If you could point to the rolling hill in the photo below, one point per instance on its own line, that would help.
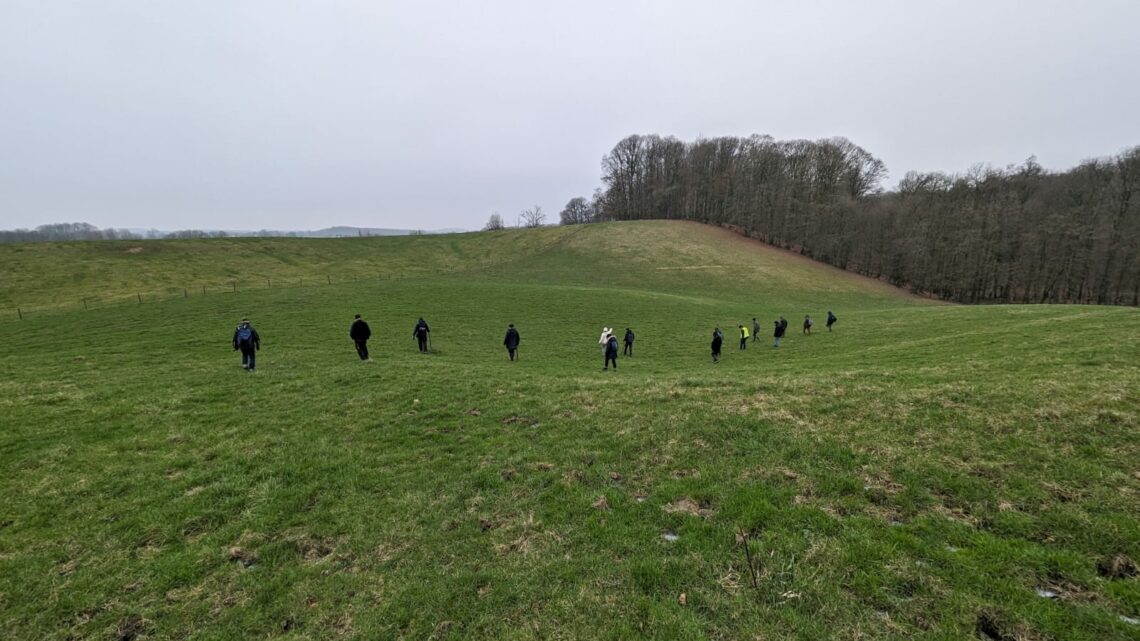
(924, 471)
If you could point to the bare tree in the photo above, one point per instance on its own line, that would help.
(494, 222)
(533, 217)
(576, 212)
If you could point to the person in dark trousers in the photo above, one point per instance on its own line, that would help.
(807, 325)
(781, 327)
(717, 341)
(247, 340)
(628, 349)
(360, 332)
(743, 336)
(830, 320)
(421, 333)
(755, 329)
(511, 341)
(611, 352)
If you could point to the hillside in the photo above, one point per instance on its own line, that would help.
(924, 471)
(639, 255)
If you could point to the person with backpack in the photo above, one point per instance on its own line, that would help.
(807, 325)
(421, 334)
(755, 329)
(779, 331)
(360, 332)
(628, 349)
(717, 341)
(830, 320)
(743, 336)
(247, 340)
(611, 352)
(511, 340)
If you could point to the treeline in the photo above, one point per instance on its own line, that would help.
(1019, 234)
(87, 231)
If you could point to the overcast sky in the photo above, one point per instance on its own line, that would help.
(298, 115)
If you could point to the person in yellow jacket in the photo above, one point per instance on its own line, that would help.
(743, 337)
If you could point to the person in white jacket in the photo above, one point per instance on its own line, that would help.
(605, 338)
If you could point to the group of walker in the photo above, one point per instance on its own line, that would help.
(248, 342)
(780, 327)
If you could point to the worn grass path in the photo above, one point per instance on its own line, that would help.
(922, 472)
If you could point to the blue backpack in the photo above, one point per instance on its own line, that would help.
(244, 335)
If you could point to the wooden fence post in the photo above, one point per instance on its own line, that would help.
(84, 304)
(20, 313)
(140, 297)
(268, 284)
(203, 290)
(185, 294)
(330, 279)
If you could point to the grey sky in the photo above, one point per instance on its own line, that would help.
(297, 115)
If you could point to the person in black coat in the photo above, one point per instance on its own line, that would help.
(611, 353)
(511, 340)
(360, 332)
(781, 327)
(421, 333)
(248, 341)
(717, 342)
(830, 320)
(628, 349)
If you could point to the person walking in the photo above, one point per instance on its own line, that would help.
(743, 336)
(604, 339)
(611, 352)
(807, 325)
(360, 332)
(421, 334)
(717, 341)
(627, 350)
(511, 341)
(248, 341)
(830, 320)
(755, 329)
(779, 332)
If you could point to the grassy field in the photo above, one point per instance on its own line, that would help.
(925, 471)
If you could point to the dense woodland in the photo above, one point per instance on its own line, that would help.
(1019, 234)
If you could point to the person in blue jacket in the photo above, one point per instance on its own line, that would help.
(611, 352)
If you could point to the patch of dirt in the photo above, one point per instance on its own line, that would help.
(601, 504)
(243, 556)
(487, 524)
(134, 250)
(130, 628)
(1117, 567)
(615, 476)
(520, 420)
(688, 506)
(680, 474)
(544, 466)
(507, 474)
(67, 568)
(194, 490)
(315, 550)
(442, 629)
(474, 411)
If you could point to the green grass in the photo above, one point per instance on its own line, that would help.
(919, 472)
